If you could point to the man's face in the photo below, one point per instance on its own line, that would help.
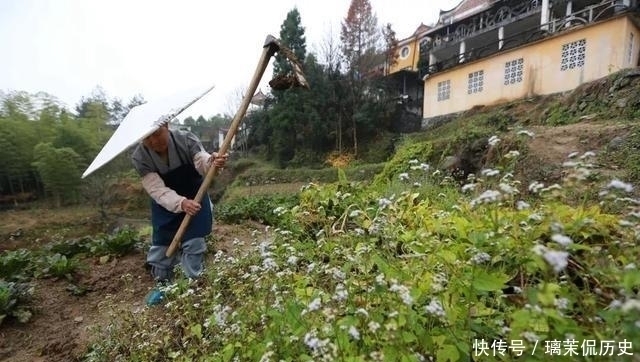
(158, 140)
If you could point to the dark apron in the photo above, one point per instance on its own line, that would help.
(184, 180)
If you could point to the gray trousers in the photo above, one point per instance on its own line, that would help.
(190, 255)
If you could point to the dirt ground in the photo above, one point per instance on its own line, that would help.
(63, 324)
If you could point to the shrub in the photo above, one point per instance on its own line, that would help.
(414, 268)
(16, 265)
(14, 301)
(121, 242)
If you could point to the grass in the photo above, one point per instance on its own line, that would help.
(238, 191)
(413, 269)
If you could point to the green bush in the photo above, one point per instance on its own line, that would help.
(14, 301)
(417, 268)
(57, 266)
(120, 243)
(260, 208)
(16, 265)
(71, 247)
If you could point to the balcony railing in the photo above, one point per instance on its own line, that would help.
(584, 16)
(484, 22)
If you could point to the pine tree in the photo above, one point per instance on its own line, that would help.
(359, 36)
(292, 36)
(288, 116)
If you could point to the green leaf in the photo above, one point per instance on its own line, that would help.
(547, 294)
(448, 353)
(408, 337)
(486, 282)
(196, 330)
(228, 352)
(631, 279)
(447, 256)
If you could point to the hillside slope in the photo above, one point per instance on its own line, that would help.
(599, 117)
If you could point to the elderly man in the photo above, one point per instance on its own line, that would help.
(172, 165)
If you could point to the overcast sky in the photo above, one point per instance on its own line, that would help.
(155, 48)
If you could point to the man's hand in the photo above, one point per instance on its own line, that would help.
(218, 160)
(190, 207)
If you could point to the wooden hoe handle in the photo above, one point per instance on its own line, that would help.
(270, 48)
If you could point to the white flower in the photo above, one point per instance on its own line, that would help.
(512, 154)
(552, 187)
(480, 258)
(413, 162)
(383, 203)
(562, 239)
(404, 293)
(508, 189)
(311, 267)
(362, 311)
(558, 260)
(630, 266)
(527, 133)
(403, 176)
(373, 326)
(617, 184)
(531, 337)
(345, 195)
(353, 332)
(562, 303)
(314, 305)
(341, 294)
(535, 186)
(269, 264)
(435, 308)
(314, 343)
(292, 260)
(279, 210)
(494, 140)
(535, 217)
(486, 197)
(469, 187)
(521, 205)
(587, 154)
(355, 213)
(631, 304)
(489, 172)
(573, 154)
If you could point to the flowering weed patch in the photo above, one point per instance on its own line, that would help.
(411, 269)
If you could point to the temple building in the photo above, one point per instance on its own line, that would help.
(485, 52)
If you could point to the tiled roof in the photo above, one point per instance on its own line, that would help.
(421, 29)
(464, 6)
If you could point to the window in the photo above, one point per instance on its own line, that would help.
(630, 53)
(404, 52)
(476, 82)
(573, 55)
(513, 71)
(444, 90)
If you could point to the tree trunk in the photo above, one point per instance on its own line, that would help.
(355, 138)
(340, 133)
